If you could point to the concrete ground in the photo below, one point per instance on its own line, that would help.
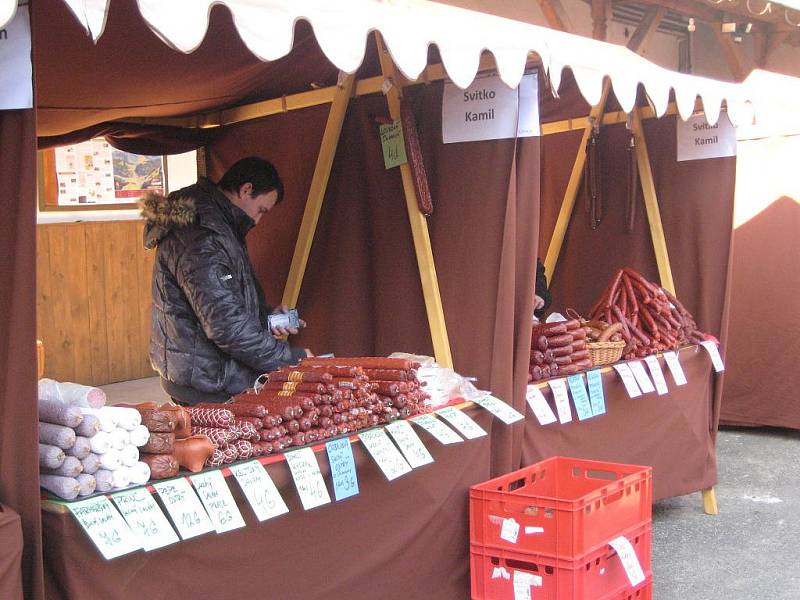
(751, 549)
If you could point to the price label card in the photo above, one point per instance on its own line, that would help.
(596, 395)
(522, 584)
(461, 421)
(499, 409)
(630, 561)
(343, 468)
(437, 429)
(216, 497)
(628, 380)
(410, 445)
(642, 378)
(385, 453)
(259, 489)
(184, 507)
(539, 405)
(559, 387)
(713, 352)
(145, 518)
(509, 531)
(579, 396)
(675, 368)
(657, 374)
(307, 478)
(105, 527)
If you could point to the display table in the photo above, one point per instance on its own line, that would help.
(674, 433)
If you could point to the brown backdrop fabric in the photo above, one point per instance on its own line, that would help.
(361, 293)
(10, 554)
(19, 464)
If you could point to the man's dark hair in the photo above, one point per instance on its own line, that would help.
(257, 171)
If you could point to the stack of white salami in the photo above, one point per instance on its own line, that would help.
(85, 446)
(558, 349)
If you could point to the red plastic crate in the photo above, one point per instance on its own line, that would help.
(599, 575)
(578, 504)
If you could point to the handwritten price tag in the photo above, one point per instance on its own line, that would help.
(596, 395)
(522, 584)
(580, 397)
(713, 352)
(628, 380)
(675, 368)
(105, 527)
(559, 387)
(145, 518)
(458, 419)
(437, 429)
(259, 489)
(343, 468)
(657, 374)
(499, 409)
(630, 561)
(217, 499)
(539, 405)
(184, 507)
(642, 379)
(385, 453)
(509, 531)
(410, 445)
(307, 478)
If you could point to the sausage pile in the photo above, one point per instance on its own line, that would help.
(558, 349)
(651, 319)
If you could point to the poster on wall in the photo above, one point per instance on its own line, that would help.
(697, 140)
(94, 172)
(16, 72)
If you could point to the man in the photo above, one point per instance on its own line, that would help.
(210, 338)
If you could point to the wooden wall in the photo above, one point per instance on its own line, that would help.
(93, 301)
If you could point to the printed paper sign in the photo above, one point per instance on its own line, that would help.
(259, 489)
(393, 143)
(713, 352)
(410, 445)
(16, 72)
(499, 409)
(596, 395)
(642, 378)
(307, 478)
(218, 501)
(630, 561)
(675, 368)
(579, 396)
(105, 527)
(184, 507)
(522, 584)
(461, 421)
(343, 468)
(559, 387)
(698, 140)
(657, 374)
(490, 110)
(145, 518)
(385, 453)
(539, 405)
(628, 380)
(509, 531)
(437, 429)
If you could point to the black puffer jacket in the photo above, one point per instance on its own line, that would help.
(209, 323)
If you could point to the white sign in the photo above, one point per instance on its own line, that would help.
(628, 380)
(642, 378)
(410, 445)
(509, 530)
(490, 110)
(184, 507)
(698, 140)
(559, 387)
(307, 478)
(385, 453)
(539, 405)
(499, 409)
(675, 368)
(437, 429)
(465, 425)
(259, 489)
(630, 562)
(522, 584)
(713, 352)
(217, 499)
(16, 72)
(657, 374)
(104, 525)
(145, 518)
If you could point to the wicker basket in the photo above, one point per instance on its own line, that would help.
(605, 353)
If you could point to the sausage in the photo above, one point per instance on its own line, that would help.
(554, 369)
(609, 331)
(537, 357)
(542, 343)
(549, 356)
(551, 329)
(579, 346)
(546, 372)
(573, 324)
(562, 351)
(560, 340)
(578, 334)
(536, 372)
(563, 361)
(568, 370)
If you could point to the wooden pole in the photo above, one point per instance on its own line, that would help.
(555, 14)
(599, 19)
(419, 226)
(316, 194)
(732, 54)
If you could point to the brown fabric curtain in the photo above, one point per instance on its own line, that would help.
(19, 463)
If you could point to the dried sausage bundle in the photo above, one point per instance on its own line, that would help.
(558, 349)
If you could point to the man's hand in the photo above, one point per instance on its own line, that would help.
(538, 302)
(284, 331)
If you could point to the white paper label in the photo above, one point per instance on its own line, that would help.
(713, 352)
(105, 526)
(529, 530)
(509, 531)
(500, 572)
(499, 409)
(539, 405)
(698, 140)
(642, 378)
(218, 501)
(559, 387)
(437, 429)
(16, 72)
(630, 561)
(674, 364)
(410, 445)
(184, 507)
(628, 380)
(385, 453)
(657, 374)
(259, 489)
(308, 478)
(522, 584)
(145, 518)
(488, 109)
(464, 423)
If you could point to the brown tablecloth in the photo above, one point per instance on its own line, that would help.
(10, 554)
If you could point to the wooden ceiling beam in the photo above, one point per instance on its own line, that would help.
(732, 53)
(555, 14)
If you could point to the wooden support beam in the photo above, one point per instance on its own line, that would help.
(648, 26)
(772, 42)
(555, 14)
(689, 8)
(419, 226)
(316, 194)
(600, 19)
(732, 53)
(710, 502)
